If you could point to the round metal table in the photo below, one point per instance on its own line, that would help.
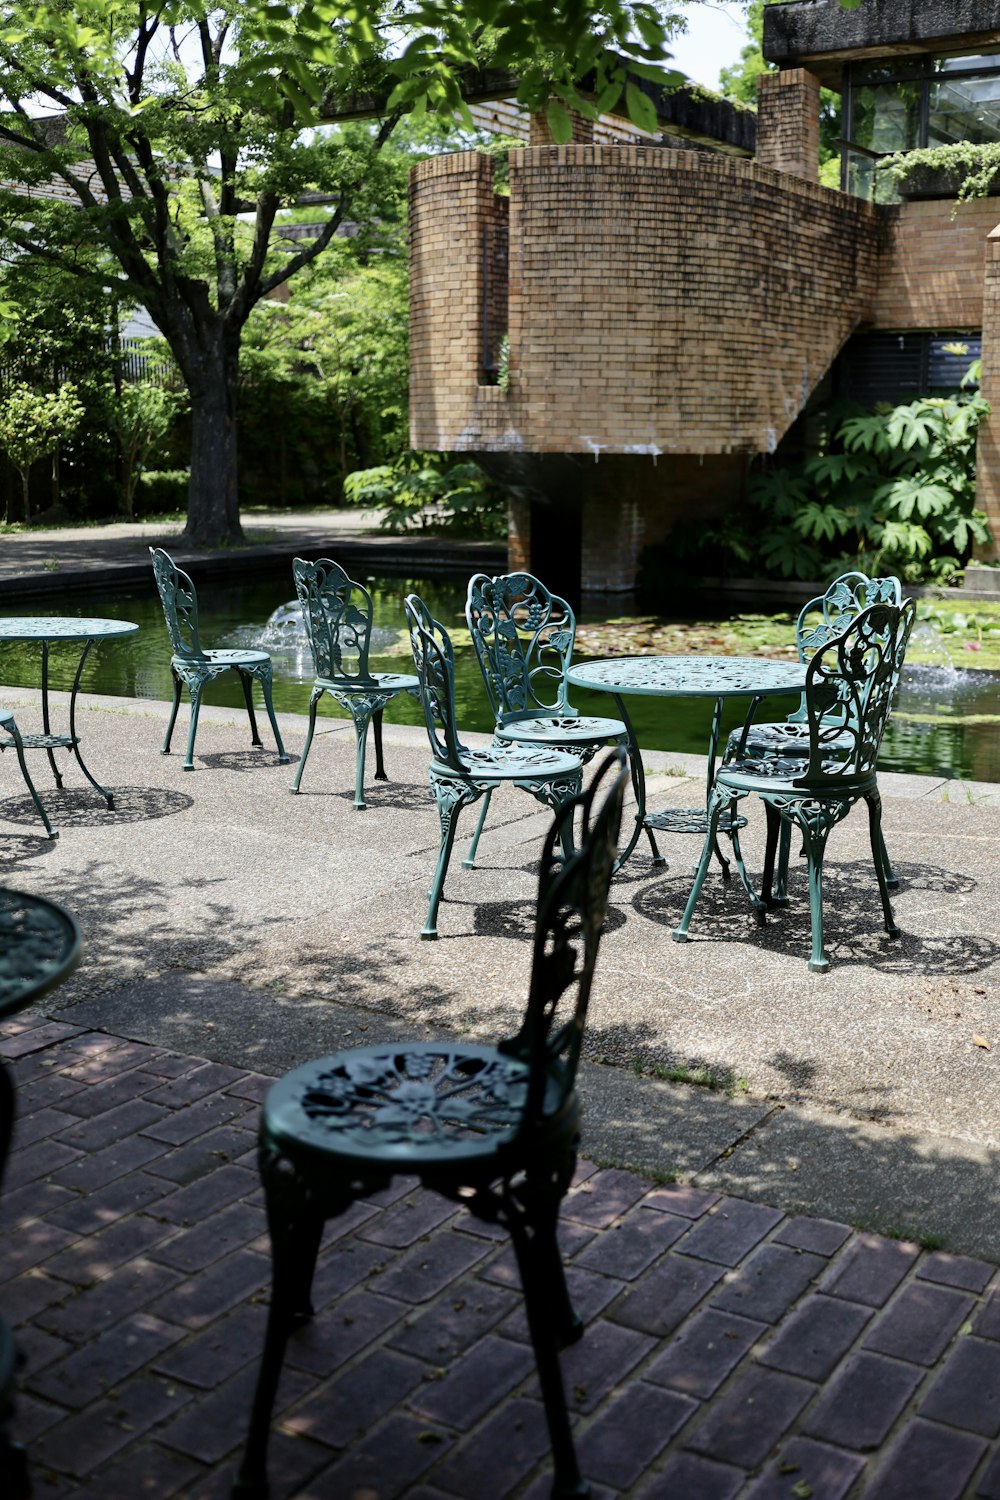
(39, 946)
(718, 677)
(45, 629)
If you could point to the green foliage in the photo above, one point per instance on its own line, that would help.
(178, 134)
(889, 491)
(141, 417)
(323, 378)
(974, 167)
(31, 425)
(161, 490)
(431, 491)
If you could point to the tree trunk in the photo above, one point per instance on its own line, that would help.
(213, 501)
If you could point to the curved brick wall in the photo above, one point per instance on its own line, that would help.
(660, 301)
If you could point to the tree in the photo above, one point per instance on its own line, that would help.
(147, 146)
(141, 416)
(31, 425)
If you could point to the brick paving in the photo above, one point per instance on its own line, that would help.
(731, 1350)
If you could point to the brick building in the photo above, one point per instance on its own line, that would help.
(618, 338)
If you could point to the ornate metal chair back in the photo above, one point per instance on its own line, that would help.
(843, 601)
(523, 636)
(850, 683)
(434, 658)
(570, 916)
(180, 605)
(337, 613)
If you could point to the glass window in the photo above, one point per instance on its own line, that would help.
(886, 116)
(900, 106)
(964, 108)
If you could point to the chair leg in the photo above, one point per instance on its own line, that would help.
(711, 843)
(314, 698)
(815, 845)
(758, 904)
(188, 763)
(881, 860)
(361, 713)
(245, 683)
(380, 774)
(15, 735)
(537, 1251)
(178, 686)
(774, 828)
(295, 1240)
(556, 794)
(264, 677)
(451, 796)
(469, 862)
(784, 854)
(890, 878)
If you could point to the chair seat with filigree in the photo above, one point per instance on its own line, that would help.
(524, 637)
(495, 1128)
(819, 620)
(338, 615)
(194, 667)
(459, 775)
(850, 681)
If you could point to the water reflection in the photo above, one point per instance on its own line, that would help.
(946, 720)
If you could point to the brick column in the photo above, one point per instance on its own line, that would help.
(788, 122)
(988, 445)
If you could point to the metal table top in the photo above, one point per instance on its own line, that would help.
(62, 628)
(690, 676)
(39, 946)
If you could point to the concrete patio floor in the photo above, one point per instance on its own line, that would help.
(232, 930)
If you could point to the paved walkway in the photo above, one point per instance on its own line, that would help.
(731, 1350)
(742, 1339)
(39, 563)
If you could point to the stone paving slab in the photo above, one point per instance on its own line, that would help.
(311, 911)
(731, 1349)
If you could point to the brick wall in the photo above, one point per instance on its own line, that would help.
(788, 122)
(931, 272)
(660, 301)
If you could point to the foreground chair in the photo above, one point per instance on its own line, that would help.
(524, 636)
(822, 618)
(459, 775)
(194, 668)
(849, 687)
(495, 1128)
(10, 736)
(338, 618)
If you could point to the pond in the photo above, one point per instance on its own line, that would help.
(946, 720)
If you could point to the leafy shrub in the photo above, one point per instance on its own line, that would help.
(431, 491)
(887, 491)
(161, 490)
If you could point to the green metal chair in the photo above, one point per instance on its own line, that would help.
(194, 667)
(822, 618)
(10, 737)
(338, 618)
(459, 775)
(849, 685)
(494, 1128)
(524, 636)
